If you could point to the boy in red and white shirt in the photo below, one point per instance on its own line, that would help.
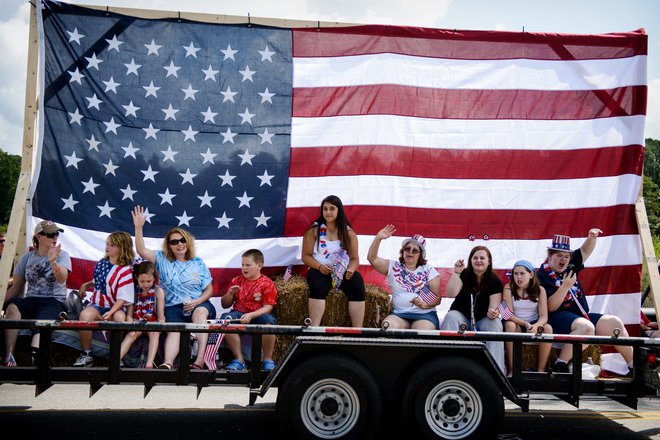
(253, 297)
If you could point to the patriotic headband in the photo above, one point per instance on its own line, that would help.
(524, 263)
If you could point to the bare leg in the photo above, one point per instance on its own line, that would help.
(268, 346)
(233, 341)
(88, 314)
(356, 312)
(154, 338)
(171, 347)
(606, 326)
(510, 327)
(126, 344)
(423, 324)
(11, 335)
(200, 316)
(580, 326)
(316, 310)
(544, 350)
(394, 322)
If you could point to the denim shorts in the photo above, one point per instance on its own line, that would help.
(100, 309)
(32, 307)
(174, 313)
(561, 321)
(38, 308)
(265, 319)
(412, 317)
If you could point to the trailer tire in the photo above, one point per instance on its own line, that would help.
(453, 398)
(330, 396)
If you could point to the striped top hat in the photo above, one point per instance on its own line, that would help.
(561, 243)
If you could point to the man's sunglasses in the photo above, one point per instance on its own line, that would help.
(176, 241)
(51, 235)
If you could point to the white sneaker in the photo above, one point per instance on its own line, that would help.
(84, 360)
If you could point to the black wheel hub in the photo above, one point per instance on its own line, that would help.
(329, 407)
(451, 407)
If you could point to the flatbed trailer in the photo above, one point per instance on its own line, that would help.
(341, 383)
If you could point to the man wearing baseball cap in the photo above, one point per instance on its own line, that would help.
(44, 270)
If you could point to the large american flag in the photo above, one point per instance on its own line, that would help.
(237, 132)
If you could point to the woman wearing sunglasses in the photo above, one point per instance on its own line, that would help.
(415, 284)
(45, 270)
(186, 281)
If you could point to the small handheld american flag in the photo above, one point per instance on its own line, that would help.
(505, 312)
(212, 349)
(427, 295)
(288, 273)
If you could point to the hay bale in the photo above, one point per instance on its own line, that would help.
(291, 309)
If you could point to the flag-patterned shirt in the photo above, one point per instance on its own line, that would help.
(111, 283)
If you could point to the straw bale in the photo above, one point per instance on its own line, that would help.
(291, 309)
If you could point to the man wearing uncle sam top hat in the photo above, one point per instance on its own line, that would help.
(567, 303)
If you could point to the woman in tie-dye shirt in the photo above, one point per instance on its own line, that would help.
(186, 281)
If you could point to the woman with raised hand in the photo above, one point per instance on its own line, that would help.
(477, 293)
(415, 284)
(186, 281)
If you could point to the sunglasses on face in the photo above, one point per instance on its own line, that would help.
(411, 250)
(175, 241)
(2, 241)
(51, 235)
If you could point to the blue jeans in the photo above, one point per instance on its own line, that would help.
(454, 319)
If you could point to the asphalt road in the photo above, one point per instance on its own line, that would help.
(169, 412)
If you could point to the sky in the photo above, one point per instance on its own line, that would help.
(558, 16)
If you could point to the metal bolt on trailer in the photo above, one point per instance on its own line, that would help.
(339, 383)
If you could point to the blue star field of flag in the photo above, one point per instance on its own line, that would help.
(190, 120)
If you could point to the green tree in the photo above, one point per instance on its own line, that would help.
(10, 168)
(652, 160)
(651, 195)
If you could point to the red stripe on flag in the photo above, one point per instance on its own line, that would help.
(460, 223)
(505, 312)
(460, 104)
(462, 44)
(465, 164)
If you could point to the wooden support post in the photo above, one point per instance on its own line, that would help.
(15, 244)
(648, 251)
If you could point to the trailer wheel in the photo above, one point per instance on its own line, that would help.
(330, 397)
(453, 398)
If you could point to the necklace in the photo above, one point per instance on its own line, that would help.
(323, 232)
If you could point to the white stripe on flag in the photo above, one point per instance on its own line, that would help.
(469, 74)
(469, 134)
(466, 193)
